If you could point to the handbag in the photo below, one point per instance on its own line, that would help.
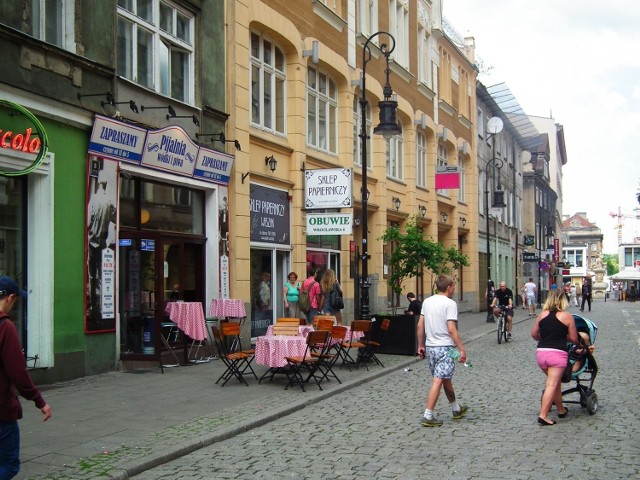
(336, 301)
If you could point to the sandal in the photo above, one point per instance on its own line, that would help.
(562, 415)
(544, 423)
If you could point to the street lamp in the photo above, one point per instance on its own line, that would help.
(388, 127)
(494, 126)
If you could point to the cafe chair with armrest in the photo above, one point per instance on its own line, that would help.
(317, 319)
(231, 332)
(368, 353)
(363, 326)
(317, 343)
(233, 361)
(333, 353)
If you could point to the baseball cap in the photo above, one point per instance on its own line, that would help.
(9, 286)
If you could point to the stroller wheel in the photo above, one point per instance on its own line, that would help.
(592, 402)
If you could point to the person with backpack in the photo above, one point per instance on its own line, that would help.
(291, 296)
(332, 302)
(309, 295)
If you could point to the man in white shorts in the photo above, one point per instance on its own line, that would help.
(530, 289)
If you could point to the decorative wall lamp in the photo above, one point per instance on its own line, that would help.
(221, 138)
(194, 118)
(272, 162)
(463, 222)
(444, 216)
(396, 203)
(112, 101)
(244, 176)
(423, 211)
(356, 222)
(169, 108)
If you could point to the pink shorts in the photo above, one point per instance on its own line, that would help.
(550, 358)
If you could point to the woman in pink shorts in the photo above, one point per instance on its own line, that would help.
(553, 329)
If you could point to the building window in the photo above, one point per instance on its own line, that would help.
(481, 192)
(357, 126)
(443, 163)
(462, 191)
(575, 258)
(424, 59)
(52, 22)
(399, 24)
(155, 47)
(368, 16)
(421, 160)
(322, 112)
(268, 85)
(631, 255)
(395, 163)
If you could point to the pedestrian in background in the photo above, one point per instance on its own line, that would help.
(573, 296)
(415, 306)
(312, 285)
(437, 333)
(523, 296)
(328, 284)
(13, 376)
(552, 329)
(586, 293)
(531, 290)
(291, 295)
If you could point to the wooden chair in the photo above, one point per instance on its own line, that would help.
(356, 326)
(317, 344)
(231, 331)
(317, 319)
(324, 323)
(288, 321)
(333, 353)
(232, 360)
(369, 352)
(285, 329)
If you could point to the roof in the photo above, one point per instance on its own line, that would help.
(626, 275)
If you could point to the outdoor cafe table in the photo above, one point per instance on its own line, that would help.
(189, 318)
(227, 308)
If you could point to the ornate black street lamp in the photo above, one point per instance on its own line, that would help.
(388, 127)
(494, 126)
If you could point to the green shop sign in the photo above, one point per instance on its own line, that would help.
(26, 141)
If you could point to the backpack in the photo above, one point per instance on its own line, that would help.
(335, 298)
(304, 302)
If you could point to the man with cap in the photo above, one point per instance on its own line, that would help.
(13, 377)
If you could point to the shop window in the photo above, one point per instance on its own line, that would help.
(157, 206)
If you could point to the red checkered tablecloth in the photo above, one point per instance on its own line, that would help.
(272, 350)
(189, 318)
(227, 307)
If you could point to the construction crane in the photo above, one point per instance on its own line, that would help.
(620, 216)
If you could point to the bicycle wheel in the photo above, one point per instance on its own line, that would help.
(500, 328)
(505, 331)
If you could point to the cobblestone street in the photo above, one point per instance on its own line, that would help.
(373, 430)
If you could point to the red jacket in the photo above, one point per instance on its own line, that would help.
(13, 374)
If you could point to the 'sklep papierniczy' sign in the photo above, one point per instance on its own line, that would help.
(328, 188)
(24, 140)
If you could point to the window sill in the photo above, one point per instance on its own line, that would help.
(328, 15)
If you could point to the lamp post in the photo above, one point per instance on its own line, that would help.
(388, 127)
(494, 126)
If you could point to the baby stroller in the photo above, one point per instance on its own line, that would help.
(586, 374)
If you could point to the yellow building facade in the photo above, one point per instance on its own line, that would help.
(294, 73)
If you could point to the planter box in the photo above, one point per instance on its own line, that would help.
(401, 338)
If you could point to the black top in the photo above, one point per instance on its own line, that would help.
(504, 296)
(553, 333)
(415, 307)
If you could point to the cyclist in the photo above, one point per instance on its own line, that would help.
(503, 300)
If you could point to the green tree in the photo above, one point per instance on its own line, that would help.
(611, 263)
(413, 254)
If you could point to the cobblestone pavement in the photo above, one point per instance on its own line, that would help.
(373, 430)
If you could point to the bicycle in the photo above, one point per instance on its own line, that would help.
(501, 326)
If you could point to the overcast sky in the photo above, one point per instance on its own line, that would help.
(579, 62)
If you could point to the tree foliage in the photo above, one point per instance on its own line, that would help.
(412, 255)
(611, 262)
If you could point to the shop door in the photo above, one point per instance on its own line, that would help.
(153, 269)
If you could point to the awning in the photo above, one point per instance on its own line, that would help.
(626, 275)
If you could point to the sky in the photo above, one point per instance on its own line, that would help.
(578, 62)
